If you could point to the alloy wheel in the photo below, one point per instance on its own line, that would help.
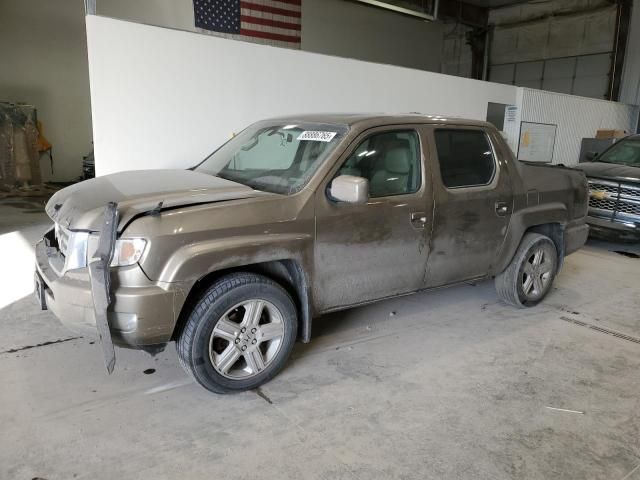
(537, 273)
(246, 339)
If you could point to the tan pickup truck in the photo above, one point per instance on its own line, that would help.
(295, 217)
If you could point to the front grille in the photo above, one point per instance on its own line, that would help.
(618, 200)
(603, 187)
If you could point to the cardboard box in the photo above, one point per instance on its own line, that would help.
(611, 134)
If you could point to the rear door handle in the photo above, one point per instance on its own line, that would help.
(502, 208)
(419, 219)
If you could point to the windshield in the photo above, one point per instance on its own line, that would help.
(276, 158)
(624, 152)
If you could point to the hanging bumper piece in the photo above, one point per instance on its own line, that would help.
(99, 274)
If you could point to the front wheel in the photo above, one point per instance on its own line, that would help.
(529, 276)
(239, 334)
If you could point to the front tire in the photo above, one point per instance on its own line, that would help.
(529, 276)
(239, 334)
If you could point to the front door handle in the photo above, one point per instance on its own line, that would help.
(419, 219)
(502, 208)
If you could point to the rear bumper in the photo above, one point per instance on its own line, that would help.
(140, 315)
(607, 227)
(575, 236)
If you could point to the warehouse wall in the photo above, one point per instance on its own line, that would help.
(576, 118)
(630, 89)
(44, 59)
(334, 27)
(558, 45)
(456, 53)
(353, 30)
(141, 124)
(44, 63)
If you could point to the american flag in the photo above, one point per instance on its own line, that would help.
(274, 22)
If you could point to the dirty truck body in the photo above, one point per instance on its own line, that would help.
(379, 207)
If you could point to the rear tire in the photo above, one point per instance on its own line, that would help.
(239, 334)
(529, 276)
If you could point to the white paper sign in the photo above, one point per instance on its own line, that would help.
(537, 141)
(317, 136)
(511, 126)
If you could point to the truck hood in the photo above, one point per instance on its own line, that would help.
(81, 206)
(611, 171)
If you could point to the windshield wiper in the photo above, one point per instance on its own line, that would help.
(243, 181)
(231, 178)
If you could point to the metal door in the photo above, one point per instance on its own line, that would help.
(373, 250)
(470, 221)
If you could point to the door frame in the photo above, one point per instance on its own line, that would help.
(425, 148)
(500, 169)
(425, 191)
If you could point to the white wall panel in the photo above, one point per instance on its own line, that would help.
(164, 98)
(576, 117)
(333, 27)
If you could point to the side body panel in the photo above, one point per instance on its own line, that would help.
(544, 195)
(187, 244)
(374, 250)
(468, 231)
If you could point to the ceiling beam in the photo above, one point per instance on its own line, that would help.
(397, 9)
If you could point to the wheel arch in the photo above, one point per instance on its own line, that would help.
(555, 231)
(288, 273)
(547, 219)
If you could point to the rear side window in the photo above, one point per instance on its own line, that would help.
(465, 156)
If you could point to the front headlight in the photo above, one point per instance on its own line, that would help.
(75, 248)
(127, 251)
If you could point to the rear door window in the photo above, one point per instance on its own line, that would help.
(465, 157)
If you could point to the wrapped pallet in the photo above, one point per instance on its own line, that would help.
(19, 157)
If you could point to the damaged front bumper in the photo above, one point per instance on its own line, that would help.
(140, 313)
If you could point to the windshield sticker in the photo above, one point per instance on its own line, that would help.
(317, 136)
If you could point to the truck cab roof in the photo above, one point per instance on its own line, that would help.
(377, 119)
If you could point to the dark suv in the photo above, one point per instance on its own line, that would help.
(614, 190)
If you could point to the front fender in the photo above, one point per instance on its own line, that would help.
(193, 261)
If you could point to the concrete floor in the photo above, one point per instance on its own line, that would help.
(449, 384)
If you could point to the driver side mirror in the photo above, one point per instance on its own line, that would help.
(591, 156)
(350, 189)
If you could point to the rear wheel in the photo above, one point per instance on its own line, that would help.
(239, 334)
(529, 276)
